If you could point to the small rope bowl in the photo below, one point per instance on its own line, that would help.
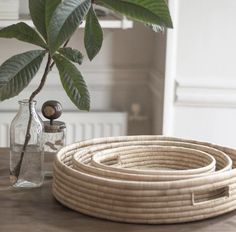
(159, 163)
(82, 160)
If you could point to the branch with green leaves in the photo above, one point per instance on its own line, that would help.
(55, 22)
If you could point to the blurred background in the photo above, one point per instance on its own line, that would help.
(181, 82)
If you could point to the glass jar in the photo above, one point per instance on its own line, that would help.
(26, 167)
(54, 140)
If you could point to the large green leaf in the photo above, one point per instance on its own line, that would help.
(41, 12)
(23, 32)
(158, 7)
(73, 82)
(17, 72)
(93, 36)
(50, 8)
(146, 11)
(65, 20)
(72, 54)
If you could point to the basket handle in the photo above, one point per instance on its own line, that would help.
(211, 195)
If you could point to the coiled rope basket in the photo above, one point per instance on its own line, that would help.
(146, 179)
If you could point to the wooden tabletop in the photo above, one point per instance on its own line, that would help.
(36, 210)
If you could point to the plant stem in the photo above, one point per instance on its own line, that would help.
(16, 172)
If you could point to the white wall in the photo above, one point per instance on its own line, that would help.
(201, 72)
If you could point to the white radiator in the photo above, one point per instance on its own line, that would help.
(80, 126)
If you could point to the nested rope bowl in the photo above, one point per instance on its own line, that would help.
(150, 163)
(146, 179)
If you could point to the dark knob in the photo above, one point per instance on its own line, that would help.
(52, 110)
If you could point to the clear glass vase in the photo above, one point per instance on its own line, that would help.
(26, 166)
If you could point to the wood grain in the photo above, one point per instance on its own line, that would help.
(36, 210)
